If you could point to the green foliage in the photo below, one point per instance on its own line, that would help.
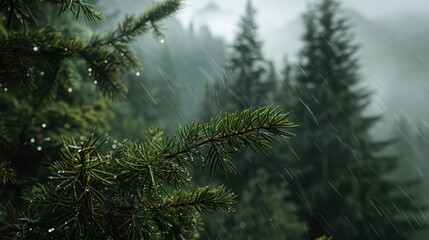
(26, 54)
(49, 73)
(22, 11)
(140, 189)
(7, 174)
(32, 128)
(324, 238)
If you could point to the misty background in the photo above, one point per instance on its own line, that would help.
(393, 36)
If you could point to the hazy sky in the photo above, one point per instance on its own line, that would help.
(273, 14)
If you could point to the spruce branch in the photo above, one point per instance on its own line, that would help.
(39, 61)
(21, 10)
(7, 175)
(203, 199)
(141, 189)
(231, 132)
(133, 26)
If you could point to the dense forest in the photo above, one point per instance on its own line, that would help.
(118, 125)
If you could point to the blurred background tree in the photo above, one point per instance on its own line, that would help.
(248, 80)
(341, 177)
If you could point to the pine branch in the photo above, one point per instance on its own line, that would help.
(232, 132)
(78, 6)
(21, 10)
(37, 60)
(203, 199)
(139, 189)
(133, 26)
(7, 175)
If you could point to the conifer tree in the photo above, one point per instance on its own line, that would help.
(250, 80)
(137, 190)
(340, 176)
(244, 74)
(247, 81)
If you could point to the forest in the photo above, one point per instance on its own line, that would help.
(118, 120)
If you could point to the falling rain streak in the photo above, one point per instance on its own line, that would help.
(309, 110)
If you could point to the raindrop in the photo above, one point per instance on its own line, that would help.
(122, 54)
(48, 139)
(137, 73)
(114, 146)
(162, 40)
(105, 61)
(66, 49)
(35, 49)
(32, 140)
(5, 89)
(51, 230)
(43, 125)
(242, 224)
(42, 73)
(89, 69)
(95, 82)
(81, 137)
(39, 148)
(70, 90)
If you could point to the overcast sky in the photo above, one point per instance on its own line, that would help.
(273, 14)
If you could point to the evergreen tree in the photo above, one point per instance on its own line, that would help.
(136, 190)
(340, 176)
(245, 72)
(284, 93)
(249, 80)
